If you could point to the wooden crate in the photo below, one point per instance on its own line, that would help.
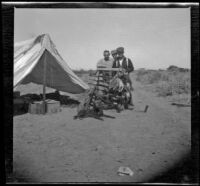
(36, 107)
(52, 106)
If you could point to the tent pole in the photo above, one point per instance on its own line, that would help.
(44, 84)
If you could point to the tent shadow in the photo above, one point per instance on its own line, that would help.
(23, 107)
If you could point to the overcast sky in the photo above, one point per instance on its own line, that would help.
(152, 38)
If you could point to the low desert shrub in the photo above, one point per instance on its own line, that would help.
(166, 82)
(164, 88)
(148, 76)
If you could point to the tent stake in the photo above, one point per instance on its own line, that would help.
(44, 85)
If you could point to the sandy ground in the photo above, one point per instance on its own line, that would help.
(57, 148)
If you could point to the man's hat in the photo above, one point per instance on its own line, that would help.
(113, 52)
(120, 50)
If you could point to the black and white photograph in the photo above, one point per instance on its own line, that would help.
(102, 95)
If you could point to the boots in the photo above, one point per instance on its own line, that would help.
(131, 101)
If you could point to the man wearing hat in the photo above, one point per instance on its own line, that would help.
(125, 63)
(114, 55)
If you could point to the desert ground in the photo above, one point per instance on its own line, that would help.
(57, 148)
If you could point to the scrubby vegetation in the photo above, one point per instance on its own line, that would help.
(82, 72)
(168, 82)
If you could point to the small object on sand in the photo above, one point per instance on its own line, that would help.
(146, 108)
(181, 104)
(125, 171)
(141, 107)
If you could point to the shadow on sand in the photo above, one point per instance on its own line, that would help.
(18, 177)
(182, 172)
(21, 104)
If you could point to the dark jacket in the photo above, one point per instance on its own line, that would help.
(129, 67)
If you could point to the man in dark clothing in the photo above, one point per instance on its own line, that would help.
(124, 63)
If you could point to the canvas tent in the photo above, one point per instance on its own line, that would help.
(37, 60)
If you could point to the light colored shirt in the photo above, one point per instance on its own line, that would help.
(105, 64)
(120, 62)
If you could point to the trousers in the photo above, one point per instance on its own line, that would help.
(129, 80)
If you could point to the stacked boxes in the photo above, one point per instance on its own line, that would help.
(51, 106)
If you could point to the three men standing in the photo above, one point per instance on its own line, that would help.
(119, 61)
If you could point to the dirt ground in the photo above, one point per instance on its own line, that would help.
(57, 148)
